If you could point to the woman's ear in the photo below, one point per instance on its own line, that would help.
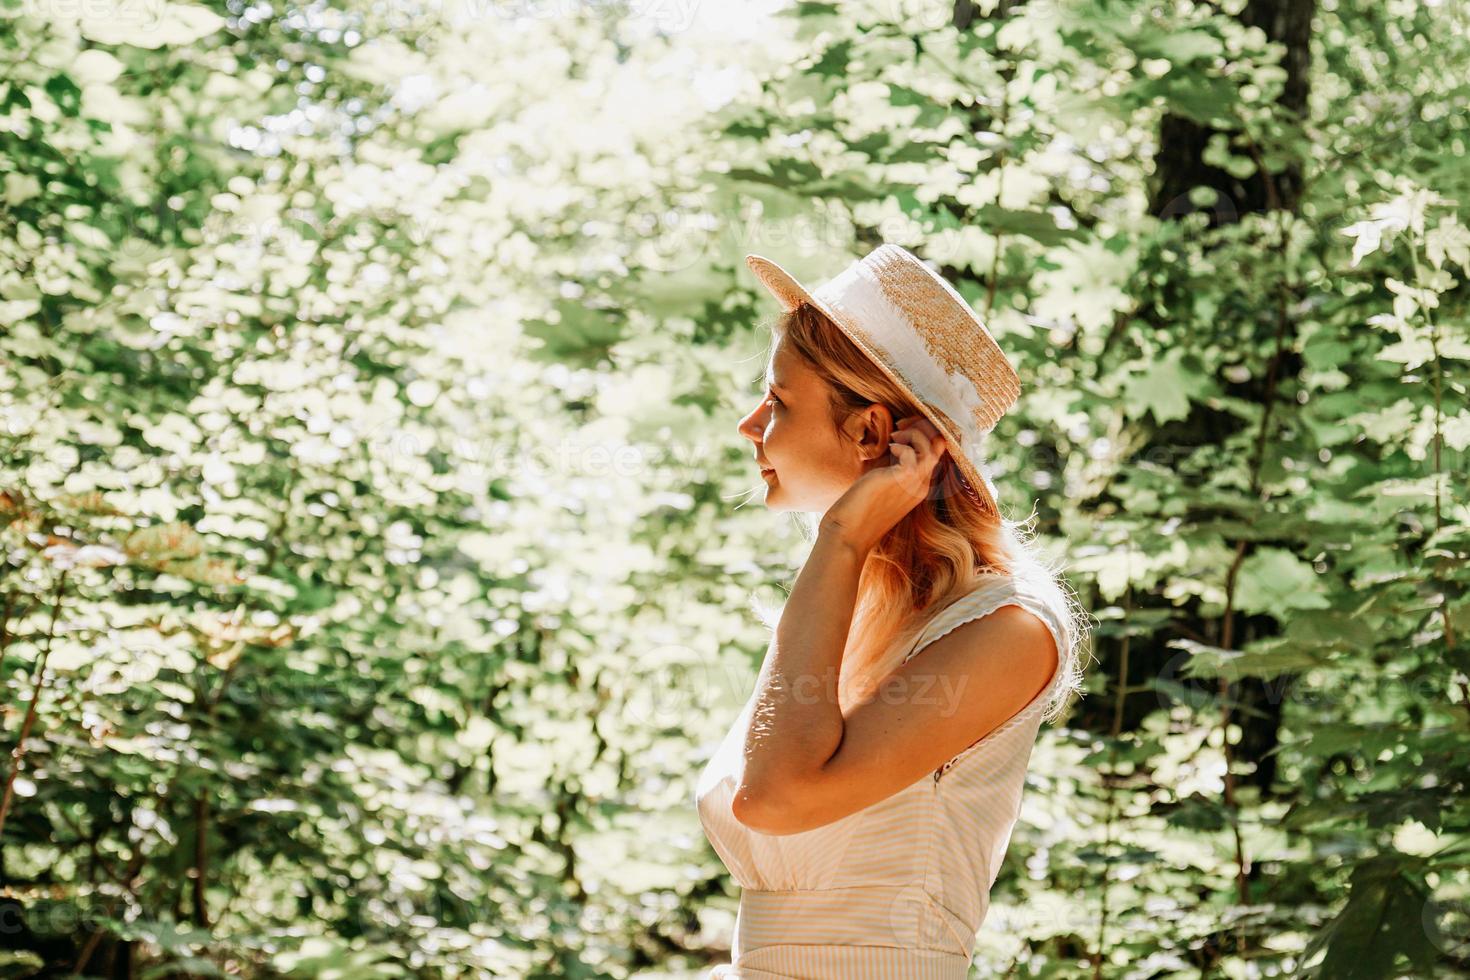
(871, 429)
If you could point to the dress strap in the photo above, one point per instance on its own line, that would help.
(980, 601)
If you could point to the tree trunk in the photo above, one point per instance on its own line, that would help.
(1180, 167)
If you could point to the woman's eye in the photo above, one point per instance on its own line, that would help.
(771, 396)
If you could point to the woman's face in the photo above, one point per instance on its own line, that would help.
(808, 464)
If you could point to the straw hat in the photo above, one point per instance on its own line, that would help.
(924, 336)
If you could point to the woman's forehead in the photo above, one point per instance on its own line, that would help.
(786, 367)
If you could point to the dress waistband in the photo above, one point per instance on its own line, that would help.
(901, 916)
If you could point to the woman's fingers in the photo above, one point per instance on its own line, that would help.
(920, 437)
(921, 440)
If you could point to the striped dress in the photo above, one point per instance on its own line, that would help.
(896, 890)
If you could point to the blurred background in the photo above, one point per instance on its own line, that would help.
(381, 562)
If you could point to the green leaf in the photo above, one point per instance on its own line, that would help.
(931, 113)
(834, 60)
(1381, 924)
(578, 334)
(1207, 100)
(807, 8)
(1182, 47)
(1038, 225)
(1275, 581)
(1265, 659)
(1160, 388)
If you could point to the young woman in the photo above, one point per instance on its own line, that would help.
(865, 796)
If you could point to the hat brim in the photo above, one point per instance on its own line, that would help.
(790, 293)
(781, 284)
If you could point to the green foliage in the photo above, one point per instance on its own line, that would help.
(374, 579)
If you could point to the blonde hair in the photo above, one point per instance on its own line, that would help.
(938, 552)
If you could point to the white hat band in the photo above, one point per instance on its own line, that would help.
(856, 293)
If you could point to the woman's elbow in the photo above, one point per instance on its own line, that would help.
(765, 812)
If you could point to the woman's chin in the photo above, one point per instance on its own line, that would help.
(776, 498)
(773, 490)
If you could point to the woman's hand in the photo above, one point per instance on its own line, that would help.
(881, 497)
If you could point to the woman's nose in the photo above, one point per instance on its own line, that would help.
(750, 426)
